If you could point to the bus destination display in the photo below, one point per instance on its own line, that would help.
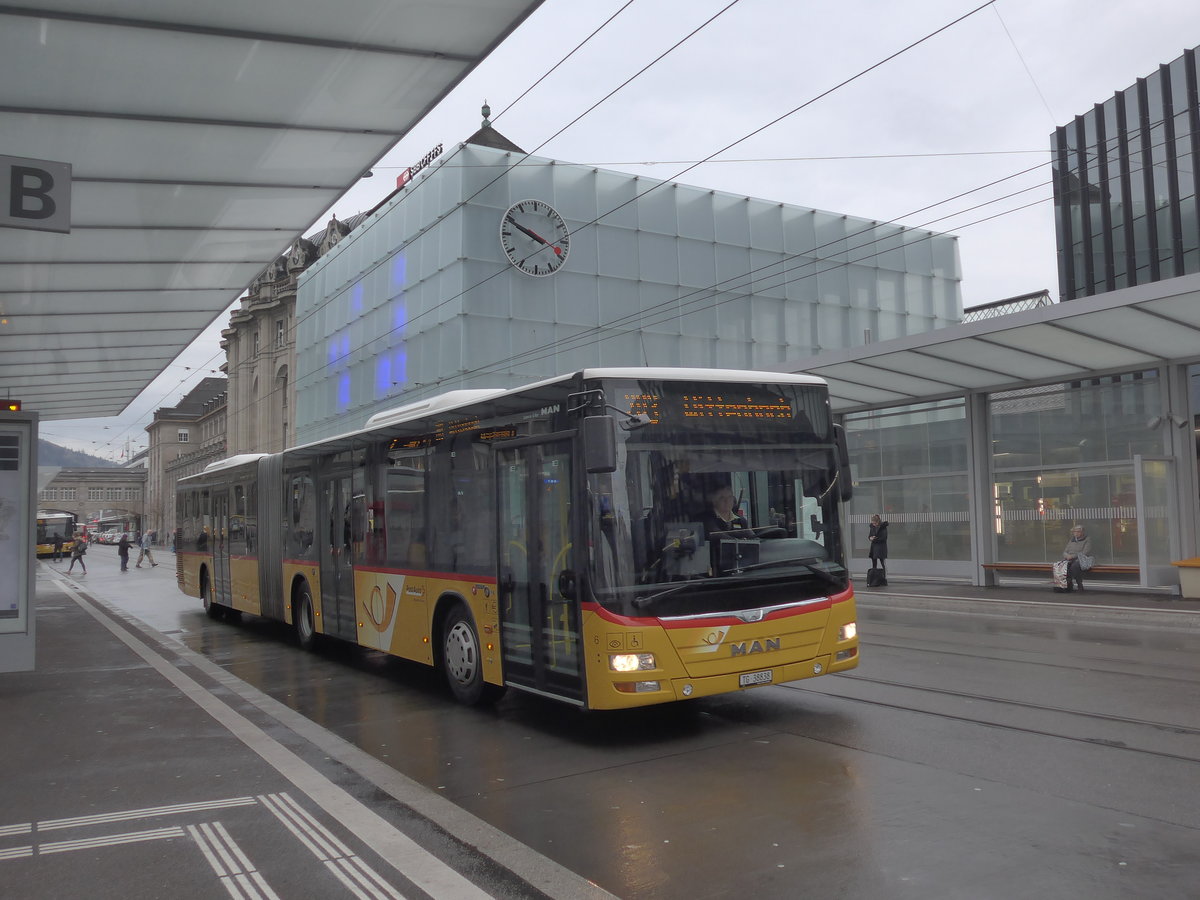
(736, 404)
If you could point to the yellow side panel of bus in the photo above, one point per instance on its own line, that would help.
(243, 583)
(393, 614)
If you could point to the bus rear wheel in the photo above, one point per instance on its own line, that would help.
(305, 617)
(462, 660)
(211, 607)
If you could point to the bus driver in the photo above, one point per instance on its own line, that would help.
(721, 516)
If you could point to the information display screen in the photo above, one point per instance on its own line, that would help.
(719, 406)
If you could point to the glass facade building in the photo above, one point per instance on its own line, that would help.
(1125, 176)
(420, 298)
(1095, 452)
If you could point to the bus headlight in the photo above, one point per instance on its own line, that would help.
(848, 632)
(631, 662)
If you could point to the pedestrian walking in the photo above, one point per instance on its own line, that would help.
(123, 551)
(146, 543)
(78, 548)
(58, 545)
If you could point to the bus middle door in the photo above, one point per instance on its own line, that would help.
(337, 557)
(539, 622)
(222, 583)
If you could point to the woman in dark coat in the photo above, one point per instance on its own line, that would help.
(878, 539)
(123, 551)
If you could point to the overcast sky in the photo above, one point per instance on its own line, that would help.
(970, 106)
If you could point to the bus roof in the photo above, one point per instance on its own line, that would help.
(457, 398)
(448, 400)
(231, 461)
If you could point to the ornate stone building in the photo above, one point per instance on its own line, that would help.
(260, 348)
(183, 439)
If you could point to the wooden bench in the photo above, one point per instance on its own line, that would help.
(1044, 568)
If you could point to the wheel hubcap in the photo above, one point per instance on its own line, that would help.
(461, 653)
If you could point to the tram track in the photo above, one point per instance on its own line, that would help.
(1137, 668)
(826, 689)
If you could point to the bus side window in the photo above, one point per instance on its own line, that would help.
(204, 521)
(406, 517)
(299, 518)
(237, 521)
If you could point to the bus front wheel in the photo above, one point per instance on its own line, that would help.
(305, 618)
(462, 660)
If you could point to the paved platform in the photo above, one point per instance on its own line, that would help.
(134, 767)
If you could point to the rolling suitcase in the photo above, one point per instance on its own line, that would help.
(876, 577)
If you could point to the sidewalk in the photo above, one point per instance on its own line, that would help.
(1123, 604)
(135, 768)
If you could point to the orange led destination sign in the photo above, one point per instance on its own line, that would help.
(719, 406)
(709, 406)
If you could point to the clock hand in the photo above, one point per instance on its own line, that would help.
(533, 234)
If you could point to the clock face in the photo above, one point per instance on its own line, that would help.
(534, 237)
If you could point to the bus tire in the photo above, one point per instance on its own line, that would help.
(211, 607)
(305, 617)
(462, 660)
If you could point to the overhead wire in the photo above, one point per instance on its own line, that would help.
(894, 55)
(675, 301)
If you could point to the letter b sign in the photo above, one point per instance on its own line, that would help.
(35, 194)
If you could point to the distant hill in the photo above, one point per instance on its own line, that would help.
(53, 455)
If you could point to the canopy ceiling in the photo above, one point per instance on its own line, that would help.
(204, 138)
(1136, 328)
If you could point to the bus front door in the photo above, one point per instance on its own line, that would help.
(337, 558)
(539, 611)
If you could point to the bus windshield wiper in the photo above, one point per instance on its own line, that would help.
(812, 567)
(647, 599)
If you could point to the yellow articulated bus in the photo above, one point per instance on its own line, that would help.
(610, 538)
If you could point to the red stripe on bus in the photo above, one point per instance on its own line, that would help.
(731, 619)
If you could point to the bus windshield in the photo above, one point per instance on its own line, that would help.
(694, 523)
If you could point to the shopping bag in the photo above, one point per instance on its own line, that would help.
(1059, 570)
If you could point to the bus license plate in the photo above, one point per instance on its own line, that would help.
(752, 678)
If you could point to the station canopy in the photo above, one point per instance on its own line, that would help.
(1132, 329)
(203, 139)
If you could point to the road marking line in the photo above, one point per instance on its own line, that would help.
(219, 848)
(414, 862)
(78, 821)
(23, 828)
(111, 840)
(202, 843)
(345, 865)
(287, 810)
(16, 852)
(232, 866)
(367, 874)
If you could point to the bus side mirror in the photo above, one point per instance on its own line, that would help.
(845, 482)
(599, 444)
